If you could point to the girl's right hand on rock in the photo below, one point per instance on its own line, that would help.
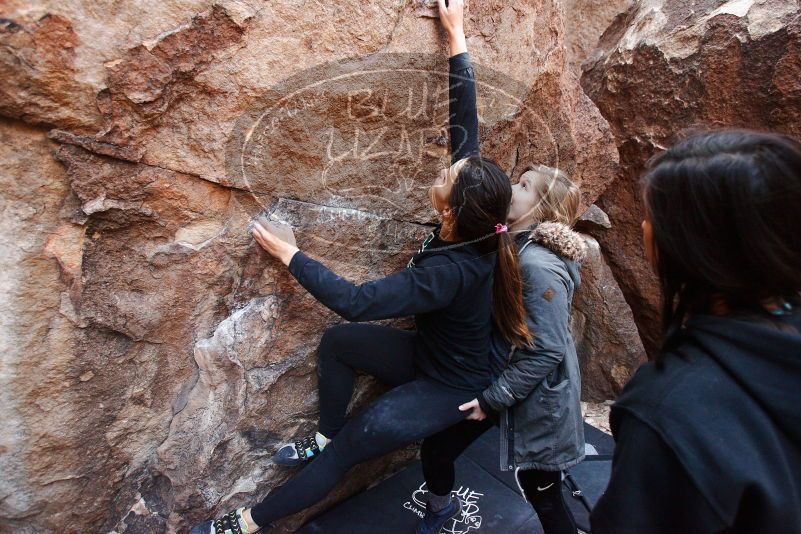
(452, 16)
(276, 240)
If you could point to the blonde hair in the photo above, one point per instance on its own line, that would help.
(559, 198)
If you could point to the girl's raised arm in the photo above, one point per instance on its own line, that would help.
(463, 115)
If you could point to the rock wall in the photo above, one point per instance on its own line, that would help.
(585, 22)
(666, 66)
(152, 356)
(607, 341)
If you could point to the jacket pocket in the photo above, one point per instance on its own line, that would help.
(551, 391)
(555, 400)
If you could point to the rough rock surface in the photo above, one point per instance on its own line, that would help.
(34, 334)
(607, 341)
(585, 22)
(666, 66)
(152, 356)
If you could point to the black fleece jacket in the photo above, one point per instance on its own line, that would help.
(711, 442)
(449, 292)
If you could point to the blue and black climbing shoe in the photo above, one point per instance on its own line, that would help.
(301, 451)
(230, 523)
(433, 522)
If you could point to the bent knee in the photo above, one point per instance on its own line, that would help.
(331, 341)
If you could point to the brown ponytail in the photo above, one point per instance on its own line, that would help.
(481, 195)
(507, 295)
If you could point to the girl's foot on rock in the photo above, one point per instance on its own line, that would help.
(301, 451)
(233, 522)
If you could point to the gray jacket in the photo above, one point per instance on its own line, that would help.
(538, 394)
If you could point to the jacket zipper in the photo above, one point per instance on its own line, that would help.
(511, 438)
(510, 426)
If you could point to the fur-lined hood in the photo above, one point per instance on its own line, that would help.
(560, 239)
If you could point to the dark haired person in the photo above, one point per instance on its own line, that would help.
(709, 436)
(466, 267)
(535, 396)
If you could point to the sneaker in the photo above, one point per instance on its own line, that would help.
(301, 451)
(230, 523)
(433, 522)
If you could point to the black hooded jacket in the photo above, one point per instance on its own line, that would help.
(711, 442)
(448, 290)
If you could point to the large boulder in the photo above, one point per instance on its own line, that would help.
(666, 66)
(607, 342)
(585, 22)
(153, 356)
(35, 337)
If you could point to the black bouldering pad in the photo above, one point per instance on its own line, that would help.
(491, 498)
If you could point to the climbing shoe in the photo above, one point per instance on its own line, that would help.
(433, 522)
(301, 451)
(230, 523)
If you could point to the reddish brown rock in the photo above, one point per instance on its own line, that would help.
(145, 350)
(35, 339)
(41, 84)
(156, 355)
(585, 22)
(607, 341)
(176, 95)
(666, 66)
(593, 219)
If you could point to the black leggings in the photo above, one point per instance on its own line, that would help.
(417, 407)
(543, 489)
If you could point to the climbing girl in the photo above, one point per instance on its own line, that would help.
(464, 268)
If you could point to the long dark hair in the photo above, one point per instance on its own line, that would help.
(725, 211)
(481, 197)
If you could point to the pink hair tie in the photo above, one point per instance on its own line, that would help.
(500, 228)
